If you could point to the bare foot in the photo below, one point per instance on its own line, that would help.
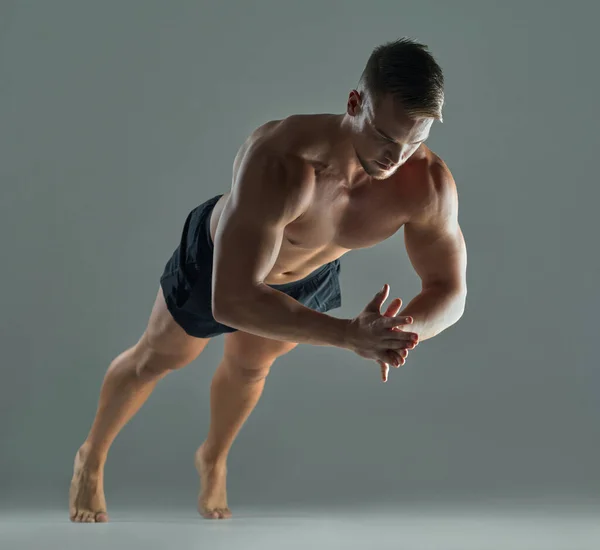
(86, 494)
(212, 502)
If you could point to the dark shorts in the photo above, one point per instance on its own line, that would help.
(187, 279)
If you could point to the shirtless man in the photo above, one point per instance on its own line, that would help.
(260, 264)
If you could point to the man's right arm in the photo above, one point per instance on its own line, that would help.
(269, 193)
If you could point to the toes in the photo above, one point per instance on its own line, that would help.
(209, 514)
(101, 517)
(225, 513)
(85, 517)
(88, 517)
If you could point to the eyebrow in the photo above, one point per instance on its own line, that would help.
(392, 139)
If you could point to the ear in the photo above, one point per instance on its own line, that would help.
(354, 102)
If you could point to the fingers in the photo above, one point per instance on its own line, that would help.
(396, 359)
(394, 307)
(394, 331)
(385, 370)
(393, 358)
(391, 322)
(399, 338)
(399, 344)
(377, 301)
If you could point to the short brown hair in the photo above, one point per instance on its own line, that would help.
(406, 69)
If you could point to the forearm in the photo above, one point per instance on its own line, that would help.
(273, 314)
(434, 310)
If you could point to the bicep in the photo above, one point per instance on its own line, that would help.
(267, 195)
(435, 245)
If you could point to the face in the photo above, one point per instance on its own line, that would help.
(384, 138)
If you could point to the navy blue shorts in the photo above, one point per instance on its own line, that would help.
(187, 279)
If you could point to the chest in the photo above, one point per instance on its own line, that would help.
(347, 219)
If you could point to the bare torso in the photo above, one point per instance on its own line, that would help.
(340, 217)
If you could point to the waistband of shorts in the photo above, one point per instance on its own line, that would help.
(312, 275)
(209, 205)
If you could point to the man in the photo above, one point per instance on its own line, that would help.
(260, 264)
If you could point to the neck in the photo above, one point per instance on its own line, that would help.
(340, 154)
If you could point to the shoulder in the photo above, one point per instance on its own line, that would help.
(268, 172)
(281, 162)
(439, 199)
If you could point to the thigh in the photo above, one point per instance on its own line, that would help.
(252, 351)
(164, 338)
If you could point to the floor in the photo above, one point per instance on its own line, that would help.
(424, 528)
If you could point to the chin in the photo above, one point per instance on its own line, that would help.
(380, 176)
(381, 173)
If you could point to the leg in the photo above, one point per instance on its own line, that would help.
(128, 383)
(236, 387)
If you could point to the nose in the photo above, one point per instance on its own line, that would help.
(389, 162)
(393, 158)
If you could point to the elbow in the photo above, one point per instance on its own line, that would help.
(227, 306)
(220, 308)
(457, 296)
(459, 292)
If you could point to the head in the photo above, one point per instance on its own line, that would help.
(400, 94)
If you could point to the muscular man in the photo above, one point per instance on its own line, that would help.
(260, 263)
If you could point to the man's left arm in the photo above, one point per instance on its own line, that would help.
(437, 251)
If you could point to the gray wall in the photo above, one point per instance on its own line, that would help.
(118, 117)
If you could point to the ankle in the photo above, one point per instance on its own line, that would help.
(210, 455)
(91, 459)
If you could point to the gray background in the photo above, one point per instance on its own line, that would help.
(117, 117)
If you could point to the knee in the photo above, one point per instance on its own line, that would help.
(248, 372)
(151, 364)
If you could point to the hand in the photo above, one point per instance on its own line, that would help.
(391, 311)
(375, 336)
